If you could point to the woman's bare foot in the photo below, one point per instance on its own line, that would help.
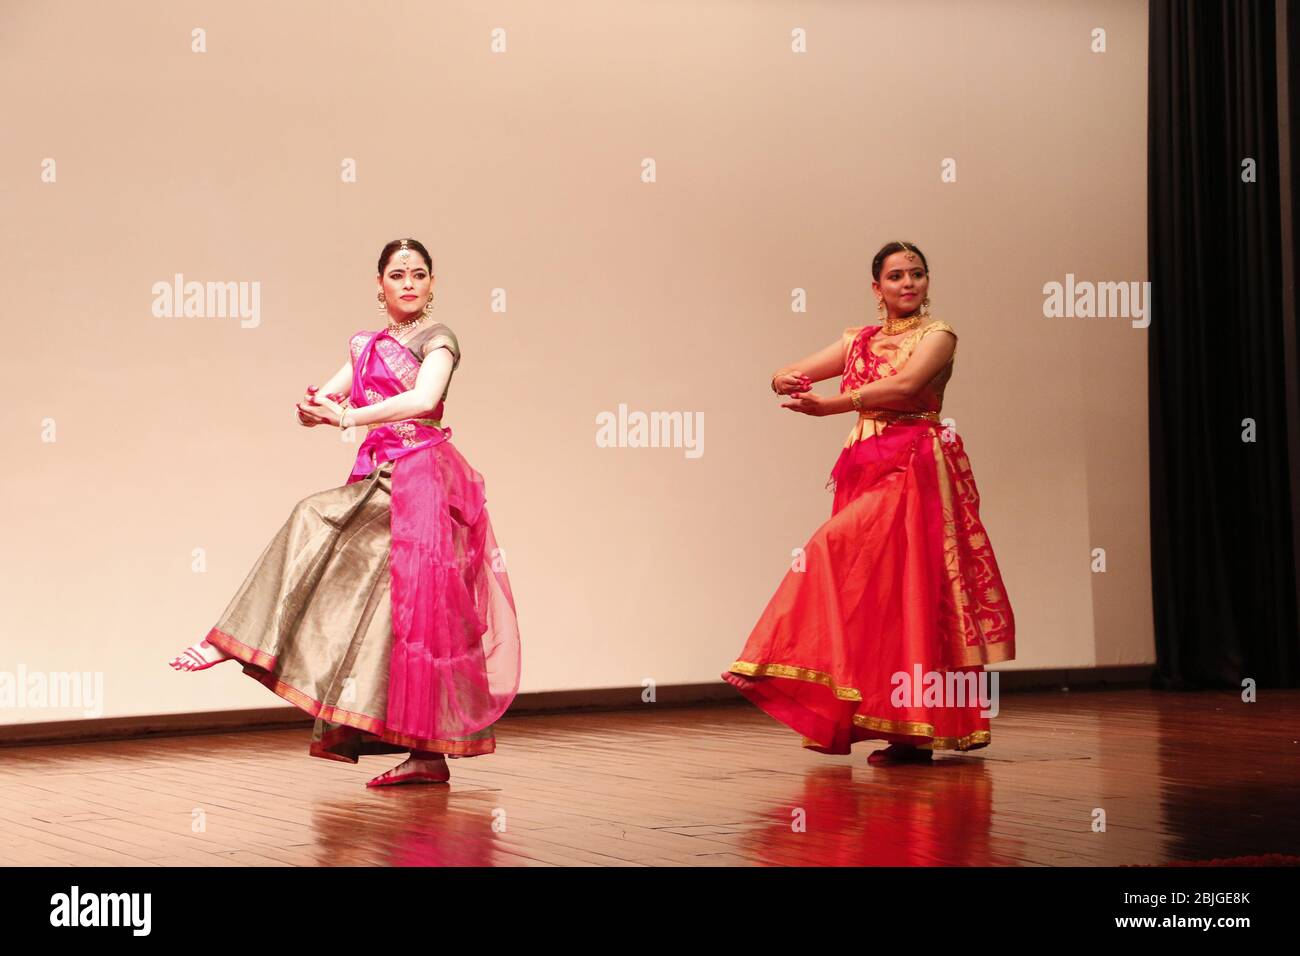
(414, 770)
(198, 657)
(901, 753)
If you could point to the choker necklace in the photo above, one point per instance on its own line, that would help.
(901, 325)
(396, 329)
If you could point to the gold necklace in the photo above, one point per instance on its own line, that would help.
(397, 329)
(902, 325)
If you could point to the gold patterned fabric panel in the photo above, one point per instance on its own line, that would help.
(934, 388)
(399, 359)
(975, 602)
(404, 360)
(846, 339)
(861, 365)
(357, 343)
(868, 358)
(909, 343)
(897, 353)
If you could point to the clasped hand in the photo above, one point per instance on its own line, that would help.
(797, 386)
(315, 410)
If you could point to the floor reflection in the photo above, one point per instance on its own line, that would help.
(860, 815)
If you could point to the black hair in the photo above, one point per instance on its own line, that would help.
(396, 244)
(888, 249)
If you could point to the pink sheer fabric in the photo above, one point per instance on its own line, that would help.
(454, 667)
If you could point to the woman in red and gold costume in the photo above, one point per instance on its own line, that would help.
(900, 585)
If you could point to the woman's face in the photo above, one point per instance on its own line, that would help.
(903, 283)
(406, 284)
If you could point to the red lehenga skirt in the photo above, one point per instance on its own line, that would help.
(901, 580)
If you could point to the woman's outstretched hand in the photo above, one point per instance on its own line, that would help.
(809, 403)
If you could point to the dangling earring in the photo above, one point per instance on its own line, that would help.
(428, 307)
(383, 307)
(925, 307)
(880, 308)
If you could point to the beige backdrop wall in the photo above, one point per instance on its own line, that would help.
(137, 442)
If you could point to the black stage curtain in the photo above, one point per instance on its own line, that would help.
(1222, 525)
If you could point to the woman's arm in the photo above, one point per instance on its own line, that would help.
(430, 386)
(899, 391)
(340, 381)
(820, 365)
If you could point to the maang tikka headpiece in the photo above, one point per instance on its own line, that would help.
(405, 253)
(911, 255)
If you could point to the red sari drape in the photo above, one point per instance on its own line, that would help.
(901, 580)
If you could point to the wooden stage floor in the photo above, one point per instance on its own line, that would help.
(1180, 777)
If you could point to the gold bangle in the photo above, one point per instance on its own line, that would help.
(853, 396)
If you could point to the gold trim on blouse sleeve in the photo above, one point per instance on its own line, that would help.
(442, 337)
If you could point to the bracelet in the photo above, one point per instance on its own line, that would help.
(853, 396)
(773, 384)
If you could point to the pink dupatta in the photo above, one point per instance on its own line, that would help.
(454, 666)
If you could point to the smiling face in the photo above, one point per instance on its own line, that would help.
(903, 282)
(407, 284)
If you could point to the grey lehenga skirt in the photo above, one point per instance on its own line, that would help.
(313, 622)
